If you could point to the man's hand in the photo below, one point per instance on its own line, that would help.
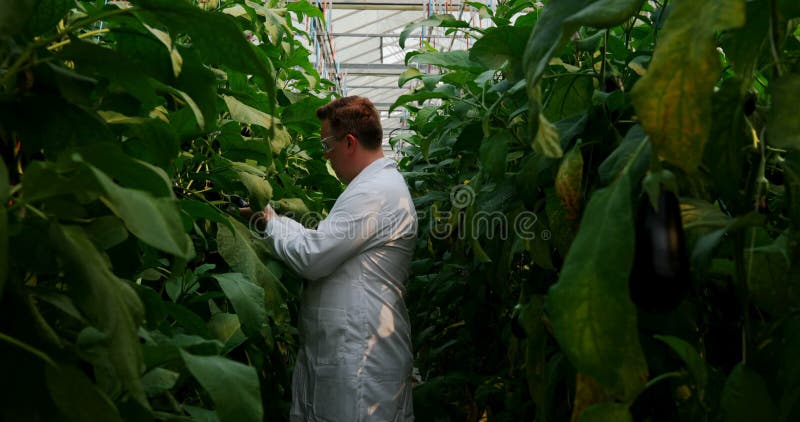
(268, 213)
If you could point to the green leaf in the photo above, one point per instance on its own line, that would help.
(233, 386)
(593, 317)
(113, 66)
(47, 15)
(247, 299)
(227, 329)
(16, 14)
(443, 92)
(106, 232)
(200, 83)
(501, 45)
(259, 188)
(689, 355)
(746, 397)
(454, 60)
(243, 113)
(409, 74)
(77, 397)
(246, 254)
(705, 246)
(607, 412)
(197, 210)
(111, 304)
(156, 221)
(570, 95)
(673, 99)
(302, 8)
(560, 19)
(493, 154)
(727, 146)
(216, 36)
(153, 141)
(128, 172)
(613, 165)
(438, 20)
(159, 380)
(783, 126)
(196, 111)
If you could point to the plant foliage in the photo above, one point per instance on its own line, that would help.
(527, 159)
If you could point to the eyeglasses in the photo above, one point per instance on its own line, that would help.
(328, 143)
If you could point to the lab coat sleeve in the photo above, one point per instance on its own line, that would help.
(343, 234)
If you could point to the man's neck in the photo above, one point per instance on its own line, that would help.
(364, 160)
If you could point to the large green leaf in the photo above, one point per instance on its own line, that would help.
(593, 317)
(245, 253)
(92, 59)
(128, 172)
(233, 386)
(493, 153)
(247, 299)
(77, 397)
(746, 397)
(569, 95)
(673, 99)
(500, 45)
(216, 36)
(111, 304)
(156, 221)
(784, 127)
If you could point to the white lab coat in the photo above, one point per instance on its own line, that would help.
(354, 362)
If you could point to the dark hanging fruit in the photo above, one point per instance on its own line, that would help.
(660, 276)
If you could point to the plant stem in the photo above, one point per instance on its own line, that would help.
(773, 34)
(28, 348)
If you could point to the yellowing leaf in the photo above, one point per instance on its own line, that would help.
(673, 99)
(568, 183)
(547, 140)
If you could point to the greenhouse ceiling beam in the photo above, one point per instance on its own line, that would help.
(375, 66)
(365, 35)
(373, 87)
(386, 5)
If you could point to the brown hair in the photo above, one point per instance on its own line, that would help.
(354, 115)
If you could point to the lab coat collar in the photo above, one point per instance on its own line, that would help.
(371, 169)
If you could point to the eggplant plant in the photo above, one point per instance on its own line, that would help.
(538, 294)
(129, 286)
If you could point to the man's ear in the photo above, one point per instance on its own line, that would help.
(351, 140)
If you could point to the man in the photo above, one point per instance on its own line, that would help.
(354, 362)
